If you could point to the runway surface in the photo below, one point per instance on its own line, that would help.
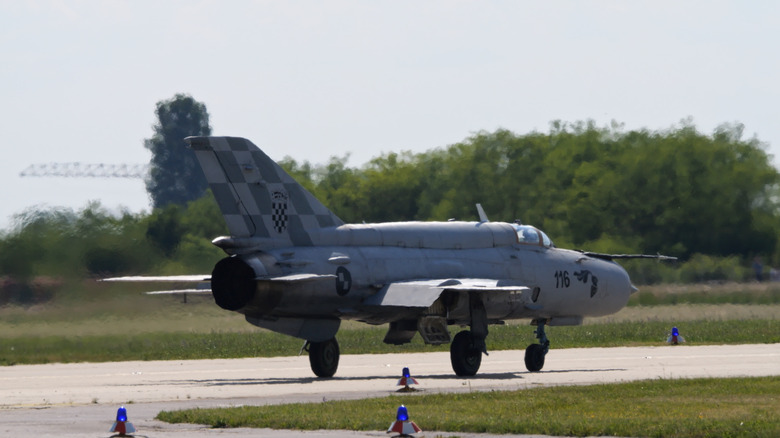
(77, 400)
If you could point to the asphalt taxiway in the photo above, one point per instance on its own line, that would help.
(77, 400)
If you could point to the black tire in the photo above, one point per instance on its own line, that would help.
(324, 357)
(464, 355)
(534, 357)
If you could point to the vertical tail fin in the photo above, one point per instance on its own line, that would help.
(256, 196)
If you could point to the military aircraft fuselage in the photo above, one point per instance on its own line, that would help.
(296, 268)
(345, 273)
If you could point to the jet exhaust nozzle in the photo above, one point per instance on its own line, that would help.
(233, 283)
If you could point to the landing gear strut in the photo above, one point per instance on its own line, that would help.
(323, 357)
(534, 354)
(467, 346)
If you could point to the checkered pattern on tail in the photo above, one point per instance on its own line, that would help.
(256, 196)
(279, 208)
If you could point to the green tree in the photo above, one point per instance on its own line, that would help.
(175, 177)
(339, 187)
(203, 218)
(165, 229)
(395, 181)
(684, 192)
(712, 199)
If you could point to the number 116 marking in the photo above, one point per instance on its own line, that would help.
(562, 279)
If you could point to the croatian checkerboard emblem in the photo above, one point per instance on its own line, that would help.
(279, 209)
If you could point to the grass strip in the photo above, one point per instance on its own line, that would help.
(653, 408)
(659, 298)
(368, 340)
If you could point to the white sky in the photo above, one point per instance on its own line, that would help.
(312, 79)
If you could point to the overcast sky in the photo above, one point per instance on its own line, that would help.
(312, 79)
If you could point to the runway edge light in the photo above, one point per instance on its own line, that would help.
(402, 425)
(406, 380)
(121, 426)
(674, 337)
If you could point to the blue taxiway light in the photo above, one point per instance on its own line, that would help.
(121, 426)
(403, 426)
(403, 414)
(121, 414)
(406, 372)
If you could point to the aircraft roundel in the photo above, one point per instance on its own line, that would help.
(343, 281)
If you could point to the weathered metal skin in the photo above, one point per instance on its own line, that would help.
(294, 267)
(370, 265)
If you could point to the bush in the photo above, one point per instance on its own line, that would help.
(704, 268)
(699, 268)
(647, 272)
(25, 292)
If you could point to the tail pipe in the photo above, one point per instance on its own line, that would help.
(233, 282)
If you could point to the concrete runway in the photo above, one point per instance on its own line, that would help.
(77, 400)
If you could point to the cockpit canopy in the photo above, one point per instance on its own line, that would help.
(529, 235)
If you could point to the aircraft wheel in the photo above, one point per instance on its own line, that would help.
(534, 357)
(464, 355)
(324, 357)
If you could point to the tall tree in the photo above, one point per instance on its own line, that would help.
(175, 177)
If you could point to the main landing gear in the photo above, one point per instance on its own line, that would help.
(468, 345)
(466, 351)
(535, 353)
(323, 357)
(465, 354)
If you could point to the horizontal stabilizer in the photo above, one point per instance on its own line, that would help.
(161, 279)
(204, 282)
(180, 292)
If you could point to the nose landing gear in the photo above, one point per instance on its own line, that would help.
(535, 353)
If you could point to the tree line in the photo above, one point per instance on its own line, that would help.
(711, 200)
(677, 192)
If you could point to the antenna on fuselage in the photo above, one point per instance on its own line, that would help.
(482, 216)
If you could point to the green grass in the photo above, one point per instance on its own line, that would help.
(729, 293)
(657, 408)
(87, 308)
(354, 340)
(99, 322)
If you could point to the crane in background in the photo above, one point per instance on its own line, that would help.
(86, 170)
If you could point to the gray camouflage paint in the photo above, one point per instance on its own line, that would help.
(312, 270)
